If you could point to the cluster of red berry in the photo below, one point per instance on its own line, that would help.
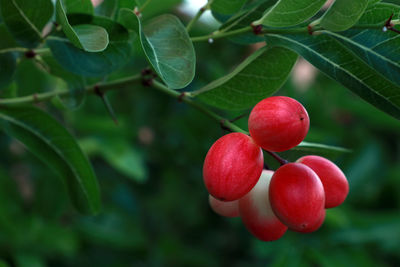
(293, 197)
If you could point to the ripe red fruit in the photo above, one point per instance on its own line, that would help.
(278, 123)
(224, 208)
(256, 212)
(317, 224)
(232, 166)
(297, 196)
(334, 181)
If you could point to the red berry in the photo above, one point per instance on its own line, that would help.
(232, 166)
(278, 123)
(224, 208)
(297, 196)
(256, 212)
(317, 224)
(334, 181)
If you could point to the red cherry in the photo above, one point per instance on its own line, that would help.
(256, 212)
(224, 208)
(333, 179)
(278, 123)
(297, 196)
(232, 166)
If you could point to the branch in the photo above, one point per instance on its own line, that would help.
(94, 89)
(36, 98)
(218, 35)
(281, 160)
(184, 98)
(306, 29)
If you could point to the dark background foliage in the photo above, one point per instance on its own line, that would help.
(155, 207)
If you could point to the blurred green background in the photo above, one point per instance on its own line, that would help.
(149, 167)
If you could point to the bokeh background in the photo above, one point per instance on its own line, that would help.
(155, 206)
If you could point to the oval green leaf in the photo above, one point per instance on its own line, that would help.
(287, 13)
(170, 50)
(79, 62)
(343, 14)
(256, 78)
(79, 6)
(25, 19)
(378, 14)
(227, 7)
(167, 46)
(342, 65)
(55, 146)
(91, 38)
(377, 48)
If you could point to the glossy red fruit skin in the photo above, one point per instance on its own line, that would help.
(232, 166)
(335, 184)
(317, 224)
(256, 212)
(297, 196)
(224, 208)
(278, 123)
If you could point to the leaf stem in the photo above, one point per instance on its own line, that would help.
(199, 13)
(218, 35)
(36, 98)
(281, 160)
(14, 49)
(184, 98)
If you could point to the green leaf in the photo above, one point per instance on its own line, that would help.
(343, 14)
(119, 154)
(152, 10)
(244, 19)
(83, 63)
(31, 78)
(380, 50)
(111, 8)
(126, 160)
(79, 6)
(336, 61)
(128, 18)
(316, 148)
(76, 84)
(25, 19)
(91, 38)
(7, 41)
(51, 142)
(167, 46)
(307, 148)
(256, 78)
(8, 65)
(372, 2)
(378, 14)
(227, 7)
(287, 13)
